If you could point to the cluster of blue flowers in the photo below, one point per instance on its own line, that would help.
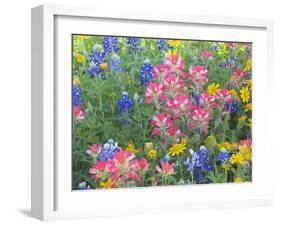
(163, 44)
(196, 99)
(76, 95)
(198, 163)
(108, 150)
(232, 106)
(133, 44)
(146, 74)
(97, 57)
(231, 61)
(83, 186)
(125, 103)
(223, 156)
(115, 62)
(110, 43)
(213, 46)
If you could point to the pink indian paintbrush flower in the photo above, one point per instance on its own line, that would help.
(77, 111)
(247, 142)
(94, 149)
(198, 75)
(166, 168)
(200, 119)
(206, 54)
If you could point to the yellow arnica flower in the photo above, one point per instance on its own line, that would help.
(226, 166)
(249, 83)
(103, 66)
(245, 94)
(250, 122)
(152, 153)
(238, 179)
(224, 145)
(236, 158)
(107, 184)
(213, 88)
(233, 93)
(76, 81)
(248, 107)
(246, 152)
(174, 42)
(248, 65)
(242, 118)
(148, 146)
(131, 147)
(83, 37)
(177, 149)
(172, 52)
(79, 58)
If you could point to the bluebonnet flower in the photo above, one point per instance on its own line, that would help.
(146, 74)
(166, 158)
(83, 186)
(108, 150)
(115, 62)
(213, 46)
(223, 156)
(232, 106)
(133, 44)
(193, 60)
(196, 99)
(97, 61)
(125, 103)
(110, 43)
(163, 44)
(199, 163)
(223, 64)
(76, 93)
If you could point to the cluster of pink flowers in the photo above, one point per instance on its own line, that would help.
(123, 169)
(180, 98)
(78, 112)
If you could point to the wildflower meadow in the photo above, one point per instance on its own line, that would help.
(154, 112)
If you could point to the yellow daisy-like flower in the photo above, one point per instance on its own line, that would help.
(107, 184)
(174, 42)
(103, 66)
(236, 158)
(245, 94)
(79, 58)
(233, 93)
(250, 122)
(213, 88)
(249, 83)
(76, 81)
(152, 153)
(226, 166)
(131, 147)
(238, 179)
(242, 118)
(178, 149)
(248, 65)
(171, 52)
(224, 145)
(82, 37)
(246, 152)
(248, 107)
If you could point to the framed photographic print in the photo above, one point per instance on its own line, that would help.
(147, 112)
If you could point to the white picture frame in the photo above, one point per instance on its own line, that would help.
(52, 198)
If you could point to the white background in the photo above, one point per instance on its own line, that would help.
(15, 112)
